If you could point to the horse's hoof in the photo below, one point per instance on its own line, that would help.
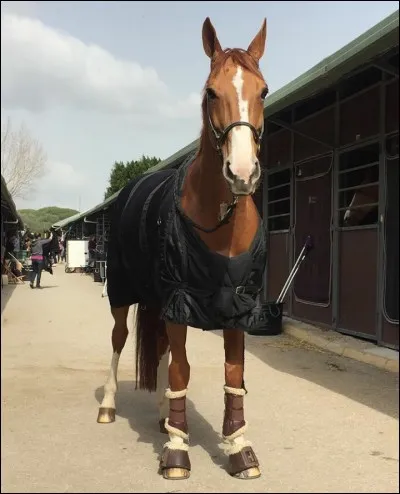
(175, 464)
(175, 473)
(251, 473)
(161, 423)
(244, 464)
(106, 415)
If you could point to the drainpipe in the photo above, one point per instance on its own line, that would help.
(88, 221)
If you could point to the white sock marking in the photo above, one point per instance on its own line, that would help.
(110, 387)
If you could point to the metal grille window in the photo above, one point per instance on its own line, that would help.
(392, 146)
(102, 231)
(279, 200)
(314, 105)
(359, 186)
(360, 81)
(391, 230)
(73, 233)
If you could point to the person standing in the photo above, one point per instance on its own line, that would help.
(37, 258)
(17, 244)
(64, 250)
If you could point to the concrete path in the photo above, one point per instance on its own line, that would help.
(334, 342)
(319, 422)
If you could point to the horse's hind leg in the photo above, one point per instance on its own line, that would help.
(242, 462)
(119, 335)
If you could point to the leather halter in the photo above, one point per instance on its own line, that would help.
(220, 137)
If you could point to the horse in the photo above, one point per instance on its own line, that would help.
(363, 207)
(188, 248)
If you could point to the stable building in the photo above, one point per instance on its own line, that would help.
(11, 221)
(330, 156)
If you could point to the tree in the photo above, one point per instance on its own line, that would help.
(23, 160)
(121, 173)
(39, 220)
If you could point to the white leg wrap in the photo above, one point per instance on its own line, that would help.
(177, 438)
(171, 395)
(235, 442)
(235, 391)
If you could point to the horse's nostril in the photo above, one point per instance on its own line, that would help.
(229, 174)
(256, 171)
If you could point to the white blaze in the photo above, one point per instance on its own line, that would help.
(241, 158)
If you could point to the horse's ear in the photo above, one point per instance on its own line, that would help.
(257, 46)
(210, 41)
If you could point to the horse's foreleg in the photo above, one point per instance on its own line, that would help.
(175, 463)
(118, 338)
(242, 462)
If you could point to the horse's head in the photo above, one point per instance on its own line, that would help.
(365, 199)
(233, 107)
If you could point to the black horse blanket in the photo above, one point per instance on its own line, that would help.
(155, 257)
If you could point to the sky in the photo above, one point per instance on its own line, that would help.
(99, 82)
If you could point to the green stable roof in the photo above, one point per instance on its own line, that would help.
(8, 201)
(371, 44)
(66, 221)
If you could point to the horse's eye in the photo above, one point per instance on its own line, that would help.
(264, 93)
(211, 93)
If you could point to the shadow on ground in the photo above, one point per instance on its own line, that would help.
(140, 409)
(6, 293)
(360, 382)
(363, 383)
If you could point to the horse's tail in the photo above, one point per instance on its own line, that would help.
(151, 342)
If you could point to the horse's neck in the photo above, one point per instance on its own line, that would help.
(204, 191)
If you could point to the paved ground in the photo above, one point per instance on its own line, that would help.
(319, 422)
(347, 346)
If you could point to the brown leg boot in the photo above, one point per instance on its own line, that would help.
(175, 462)
(242, 461)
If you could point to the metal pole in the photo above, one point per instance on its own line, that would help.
(304, 251)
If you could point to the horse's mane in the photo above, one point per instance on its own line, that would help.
(239, 57)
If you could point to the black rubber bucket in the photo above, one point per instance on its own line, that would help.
(270, 320)
(96, 274)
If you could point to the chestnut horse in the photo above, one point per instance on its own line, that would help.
(214, 208)
(363, 207)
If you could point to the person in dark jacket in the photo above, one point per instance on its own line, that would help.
(37, 258)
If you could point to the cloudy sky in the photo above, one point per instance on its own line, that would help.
(98, 82)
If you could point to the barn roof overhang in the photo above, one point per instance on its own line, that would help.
(67, 221)
(8, 207)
